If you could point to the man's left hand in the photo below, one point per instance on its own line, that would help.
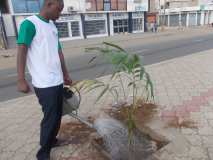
(67, 80)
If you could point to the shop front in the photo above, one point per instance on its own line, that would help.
(119, 23)
(69, 27)
(95, 25)
(138, 22)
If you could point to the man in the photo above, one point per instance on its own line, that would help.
(39, 47)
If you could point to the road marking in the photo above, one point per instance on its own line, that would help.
(140, 51)
(14, 75)
(198, 40)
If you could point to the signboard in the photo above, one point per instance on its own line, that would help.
(138, 14)
(205, 3)
(117, 15)
(141, 7)
(68, 17)
(137, 5)
(209, 2)
(94, 16)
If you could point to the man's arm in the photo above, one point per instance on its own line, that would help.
(26, 33)
(67, 79)
(22, 84)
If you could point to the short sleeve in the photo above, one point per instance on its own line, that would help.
(26, 34)
(59, 46)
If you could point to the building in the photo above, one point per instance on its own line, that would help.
(186, 13)
(82, 18)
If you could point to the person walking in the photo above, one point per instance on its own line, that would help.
(39, 48)
(155, 26)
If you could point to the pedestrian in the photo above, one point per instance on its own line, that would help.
(40, 49)
(152, 27)
(155, 26)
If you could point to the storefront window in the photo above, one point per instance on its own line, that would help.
(183, 19)
(120, 26)
(27, 6)
(63, 29)
(192, 19)
(138, 24)
(174, 20)
(75, 29)
(95, 27)
(199, 18)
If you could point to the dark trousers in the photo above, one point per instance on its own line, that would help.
(51, 100)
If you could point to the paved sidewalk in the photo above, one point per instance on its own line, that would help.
(183, 90)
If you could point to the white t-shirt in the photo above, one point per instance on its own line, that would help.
(43, 60)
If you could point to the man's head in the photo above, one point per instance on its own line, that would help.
(53, 8)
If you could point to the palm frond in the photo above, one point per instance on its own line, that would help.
(102, 93)
(114, 45)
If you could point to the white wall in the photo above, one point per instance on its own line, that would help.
(78, 5)
(206, 2)
(8, 22)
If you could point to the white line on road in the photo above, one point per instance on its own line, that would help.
(140, 51)
(14, 75)
(198, 40)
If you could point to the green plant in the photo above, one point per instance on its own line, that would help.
(129, 76)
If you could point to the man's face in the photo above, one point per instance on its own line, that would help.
(55, 9)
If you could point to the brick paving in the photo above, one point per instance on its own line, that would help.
(183, 89)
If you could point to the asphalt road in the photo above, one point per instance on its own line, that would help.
(80, 69)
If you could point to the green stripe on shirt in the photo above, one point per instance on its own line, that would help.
(26, 34)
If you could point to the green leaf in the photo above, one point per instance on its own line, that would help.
(114, 75)
(95, 87)
(88, 83)
(142, 72)
(149, 84)
(92, 59)
(114, 45)
(114, 90)
(131, 84)
(102, 93)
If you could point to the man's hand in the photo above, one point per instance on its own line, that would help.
(23, 86)
(67, 79)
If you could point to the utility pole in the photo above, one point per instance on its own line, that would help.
(162, 15)
(3, 40)
(159, 14)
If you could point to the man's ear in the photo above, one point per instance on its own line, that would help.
(48, 3)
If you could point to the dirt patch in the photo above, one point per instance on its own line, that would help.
(87, 153)
(177, 122)
(75, 132)
(143, 114)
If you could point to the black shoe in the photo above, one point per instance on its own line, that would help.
(43, 156)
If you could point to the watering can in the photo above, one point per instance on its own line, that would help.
(71, 103)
